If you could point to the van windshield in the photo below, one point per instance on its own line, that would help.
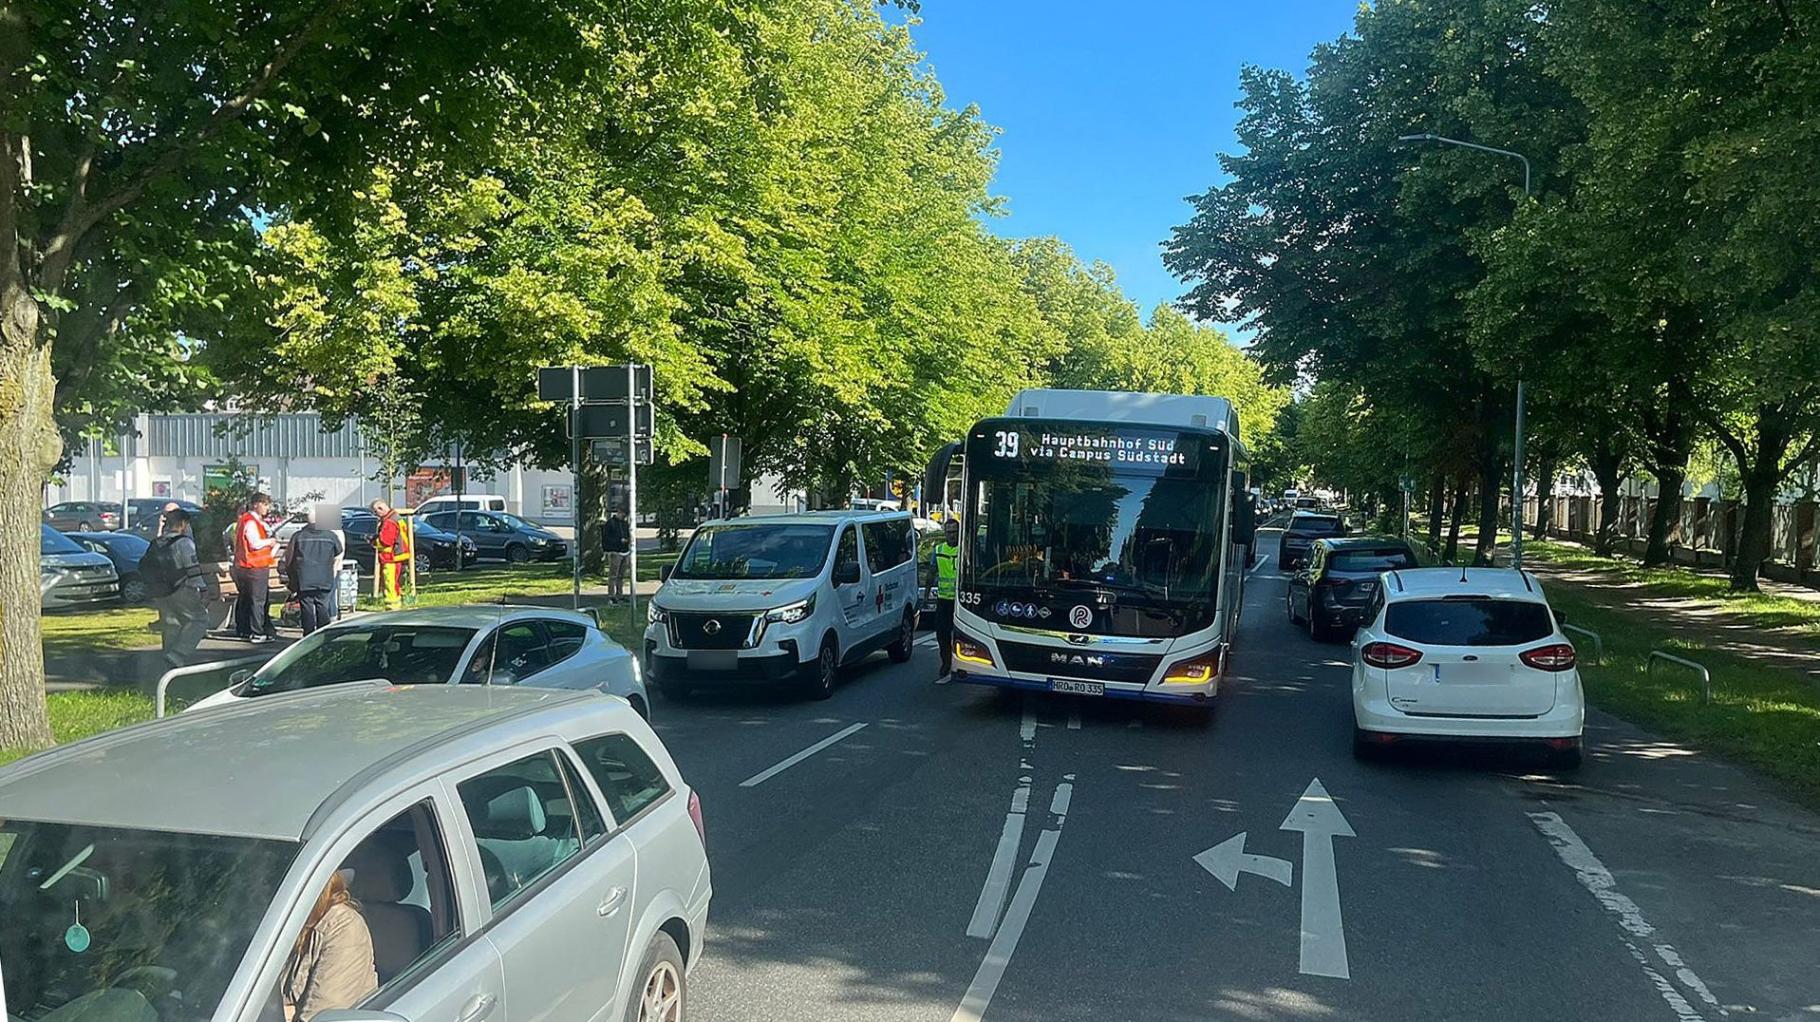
(756, 550)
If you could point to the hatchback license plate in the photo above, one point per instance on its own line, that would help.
(1079, 688)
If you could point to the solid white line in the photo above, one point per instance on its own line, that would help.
(1004, 944)
(1593, 875)
(764, 775)
(998, 876)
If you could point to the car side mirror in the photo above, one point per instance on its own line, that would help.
(239, 677)
(663, 573)
(1560, 616)
(846, 574)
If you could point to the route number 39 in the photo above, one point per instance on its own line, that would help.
(1007, 443)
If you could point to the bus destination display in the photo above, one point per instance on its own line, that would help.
(1132, 450)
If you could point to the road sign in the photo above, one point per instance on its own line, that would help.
(599, 422)
(598, 383)
(723, 462)
(1320, 821)
(613, 451)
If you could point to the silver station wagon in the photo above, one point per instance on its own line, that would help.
(361, 853)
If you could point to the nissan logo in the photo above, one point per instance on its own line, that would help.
(711, 626)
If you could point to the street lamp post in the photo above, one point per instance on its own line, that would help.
(1516, 480)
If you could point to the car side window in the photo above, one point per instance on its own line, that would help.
(481, 666)
(469, 521)
(627, 777)
(522, 651)
(388, 909)
(524, 823)
(566, 638)
(848, 551)
(587, 811)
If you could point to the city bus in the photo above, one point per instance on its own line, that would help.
(1105, 537)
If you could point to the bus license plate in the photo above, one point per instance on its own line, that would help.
(1079, 688)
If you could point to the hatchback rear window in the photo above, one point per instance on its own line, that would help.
(1319, 525)
(1472, 621)
(1370, 560)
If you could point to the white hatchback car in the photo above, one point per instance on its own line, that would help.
(1471, 655)
(485, 644)
(357, 853)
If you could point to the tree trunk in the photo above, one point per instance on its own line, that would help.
(1490, 472)
(29, 446)
(1608, 469)
(1453, 525)
(1437, 509)
(1754, 538)
(1545, 497)
(1665, 515)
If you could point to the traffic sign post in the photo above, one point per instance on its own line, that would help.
(608, 406)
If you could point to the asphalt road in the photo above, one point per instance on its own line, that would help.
(885, 876)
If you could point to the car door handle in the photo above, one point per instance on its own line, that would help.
(478, 1007)
(611, 903)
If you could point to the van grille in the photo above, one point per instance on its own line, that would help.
(692, 631)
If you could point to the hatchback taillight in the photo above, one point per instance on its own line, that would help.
(1556, 656)
(701, 828)
(1389, 654)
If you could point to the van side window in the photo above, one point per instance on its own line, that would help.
(887, 545)
(848, 550)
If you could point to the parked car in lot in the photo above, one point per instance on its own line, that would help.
(496, 645)
(1331, 593)
(435, 547)
(1465, 655)
(784, 598)
(1303, 528)
(502, 536)
(83, 516)
(506, 855)
(145, 512)
(70, 576)
(465, 502)
(123, 549)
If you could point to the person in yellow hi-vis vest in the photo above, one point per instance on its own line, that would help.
(946, 556)
(392, 550)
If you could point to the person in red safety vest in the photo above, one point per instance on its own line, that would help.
(392, 547)
(255, 552)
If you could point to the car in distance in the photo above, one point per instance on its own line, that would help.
(510, 854)
(465, 502)
(70, 576)
(434, 547)
(929, 535)
(786, 598)
(533, 647)
(1465, 655)
(123, 549)
(1330, 593)
(83, 516)
(1303, 528)
(147, 511)
(501, 536)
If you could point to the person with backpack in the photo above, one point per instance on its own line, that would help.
(173, 576)
(392, 553)
(310, 565)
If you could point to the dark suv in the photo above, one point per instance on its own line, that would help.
(1332, 593)
(1303, 529)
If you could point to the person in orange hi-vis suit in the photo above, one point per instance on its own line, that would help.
(392, 546)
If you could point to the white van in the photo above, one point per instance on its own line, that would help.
(465, 502)
(784, 598)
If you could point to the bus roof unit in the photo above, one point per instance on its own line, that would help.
(1167, 410)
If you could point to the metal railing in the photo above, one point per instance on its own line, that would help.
(1598, 643)
(1706, 676)
(194, 670)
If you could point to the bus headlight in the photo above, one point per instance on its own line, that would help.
(970, 652)
(791, 613)
(1196, 670)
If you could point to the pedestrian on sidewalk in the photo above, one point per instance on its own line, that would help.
(392, 547)
(255, 554)
(616, 541)
(309, 570)
(947, 572)
(173, 576)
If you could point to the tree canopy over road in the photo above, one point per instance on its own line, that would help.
(1656, 291)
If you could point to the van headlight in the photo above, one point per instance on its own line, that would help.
(655, 615)
(791, 613)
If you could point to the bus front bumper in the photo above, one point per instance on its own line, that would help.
(1182, 695)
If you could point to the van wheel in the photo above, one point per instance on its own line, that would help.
(906, 639)
(820, 683)
(517, 554)
(662, 992)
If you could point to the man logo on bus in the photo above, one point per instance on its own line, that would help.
(1081, 616)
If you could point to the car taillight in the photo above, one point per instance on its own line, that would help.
(1556, 656)
(701, 828)
(1389, 654)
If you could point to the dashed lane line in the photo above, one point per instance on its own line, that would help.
(764, 775)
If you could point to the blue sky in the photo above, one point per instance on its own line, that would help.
(1113, 112)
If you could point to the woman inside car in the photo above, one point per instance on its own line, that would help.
(331, 965)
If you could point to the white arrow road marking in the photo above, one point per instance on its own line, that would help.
(1229, 858)
(1323, 933)
(1593, 875)
(1004, 943)
(764, 775)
